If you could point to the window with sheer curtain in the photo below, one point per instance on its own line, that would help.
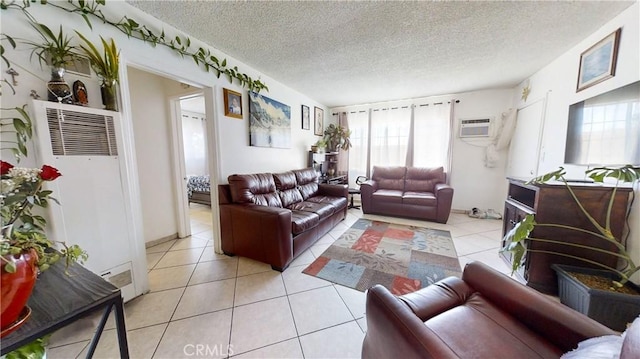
(389, 136)
(358, 153)
(431, 135)
(399, 136)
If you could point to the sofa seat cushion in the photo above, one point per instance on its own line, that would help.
(323, 210)
(488, 332)
(388, 195)
(420, 198)
(302, 221)
(339, 203)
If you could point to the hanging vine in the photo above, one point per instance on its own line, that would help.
(133, 29)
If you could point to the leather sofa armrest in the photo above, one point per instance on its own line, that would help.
(264, 232)
(334, 190)
(444, 198)
(366, 195)
(438, 297)
(559, 324)
(394, 331)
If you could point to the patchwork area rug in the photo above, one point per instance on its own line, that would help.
(401, 258)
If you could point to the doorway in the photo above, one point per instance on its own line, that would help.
(191, 129)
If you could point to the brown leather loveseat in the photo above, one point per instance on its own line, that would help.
(273, 218)
(412, 192)
(483, 315)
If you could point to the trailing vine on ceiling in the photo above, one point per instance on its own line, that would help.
(133, 29)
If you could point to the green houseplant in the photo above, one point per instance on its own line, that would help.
(106, 66)
(616, 279)
(337, 137)
(57, 51)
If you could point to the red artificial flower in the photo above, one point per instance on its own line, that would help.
(49, 173)
(5, 167)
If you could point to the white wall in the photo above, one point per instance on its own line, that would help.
(151, 126)
(559, 78)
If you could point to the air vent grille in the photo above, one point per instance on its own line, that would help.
(81, 134)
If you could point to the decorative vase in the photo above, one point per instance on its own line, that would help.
(57, 88)
(108, 92)
(16, 289)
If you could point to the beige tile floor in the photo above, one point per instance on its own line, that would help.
(202, 304)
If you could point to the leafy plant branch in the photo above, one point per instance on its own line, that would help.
(18, 124)
(133, 29)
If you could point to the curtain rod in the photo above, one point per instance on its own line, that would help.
(396, 107)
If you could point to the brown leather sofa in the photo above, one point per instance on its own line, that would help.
(483, 315)
(412, 192)
(273, 218)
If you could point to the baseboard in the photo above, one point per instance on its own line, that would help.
(155, 242)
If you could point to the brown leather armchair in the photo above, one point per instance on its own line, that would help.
(411, 192)
(483, 315)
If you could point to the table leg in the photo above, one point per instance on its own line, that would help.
(99, 329)
(121, 329)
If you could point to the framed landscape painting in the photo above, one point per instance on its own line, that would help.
(598, 62)
(269, 122)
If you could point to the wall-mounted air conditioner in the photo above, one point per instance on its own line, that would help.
(85, 145)
(475, 128)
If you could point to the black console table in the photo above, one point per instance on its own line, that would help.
(59, 299)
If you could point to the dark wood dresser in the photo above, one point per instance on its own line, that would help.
(552, 203)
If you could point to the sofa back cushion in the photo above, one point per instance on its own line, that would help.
(307, 179)
(389, 177)
(254, 188)
(419, 179)
(287, 187)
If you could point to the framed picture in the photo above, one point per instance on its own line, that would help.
(598, 62)
(306, 121)
(318, 127)
(232, 104)
(269, 122)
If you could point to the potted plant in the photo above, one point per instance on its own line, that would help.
(57, 51)
(618, 300)
(106, 66)
(319, 146)
(24, 246)
(337, 137)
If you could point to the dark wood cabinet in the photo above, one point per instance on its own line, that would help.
(553, 203)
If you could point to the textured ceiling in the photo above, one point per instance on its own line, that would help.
(347, 53)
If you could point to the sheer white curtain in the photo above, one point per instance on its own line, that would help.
(195, 155)
(432, 135)
(389, 136)
(359, 126)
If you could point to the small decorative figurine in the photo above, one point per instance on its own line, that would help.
(80, 93)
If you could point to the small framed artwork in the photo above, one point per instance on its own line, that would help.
(306, 121)
(318, 126)
(232, 104)
(598, 62)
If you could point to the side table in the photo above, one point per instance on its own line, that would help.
(59, 299)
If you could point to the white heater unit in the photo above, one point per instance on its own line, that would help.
(85, 145)
(475, 128)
